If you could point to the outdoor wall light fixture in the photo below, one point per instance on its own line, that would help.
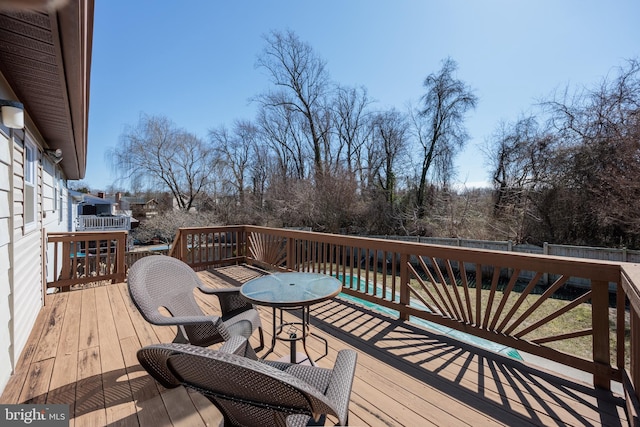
(12, 114)
(54, 155)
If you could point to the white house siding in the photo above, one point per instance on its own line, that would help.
(21, 251)
(5, 260)
(27, 253)
(27, 292)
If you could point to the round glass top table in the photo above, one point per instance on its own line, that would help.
(292, 291)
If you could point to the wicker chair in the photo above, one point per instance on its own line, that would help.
(252, 392)
(160, 281)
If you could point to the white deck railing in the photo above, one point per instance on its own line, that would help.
(103, 223)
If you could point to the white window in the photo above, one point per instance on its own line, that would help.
(59, 187)
(30, 182)
(55, 191)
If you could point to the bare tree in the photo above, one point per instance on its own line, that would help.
(600, 134)
(237, 150)
(390, 138)
(523, 157)
(439, 124)
(521, 154)
(164, 226)
(281, 132)
(156, 153)
(351, 123)
(302, 85)
(261, 171)
(574, 178)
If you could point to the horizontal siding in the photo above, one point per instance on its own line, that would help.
(27, 255)
(5, 203)
(5, 317)
(5, 261)
(4, 173)
(4, 231)
(27, 296)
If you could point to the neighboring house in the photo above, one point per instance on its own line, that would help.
(142, 208)
(45, 63)
(100, 213)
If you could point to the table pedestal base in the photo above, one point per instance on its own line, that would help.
(294, 332)
(300, 359)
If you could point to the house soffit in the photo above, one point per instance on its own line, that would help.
(45, 58)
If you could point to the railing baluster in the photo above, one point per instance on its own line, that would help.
(518, 303)
(444, 308)
(621, 299)
(542, 298)
(385, 273)
(478, 315)
(367, 267)
(454, 310)
(600, 321)
(505, 297)
(393, 278)
(465, 285)
(405, 295)
(454, 285)
(634, 368)
(492, 293)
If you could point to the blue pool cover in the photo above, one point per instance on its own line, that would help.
(453, 333)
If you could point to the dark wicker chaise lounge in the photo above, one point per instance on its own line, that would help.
(253, 392)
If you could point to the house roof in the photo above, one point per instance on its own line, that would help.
(45, 56)
(138, 200)
(90, 199)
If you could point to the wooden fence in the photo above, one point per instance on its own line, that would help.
(590, 252)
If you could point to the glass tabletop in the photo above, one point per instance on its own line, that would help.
(291, 289)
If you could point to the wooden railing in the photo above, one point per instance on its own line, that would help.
(210, 246)
(494, 295)
(132, 256)
(630, 284)
(85, 257)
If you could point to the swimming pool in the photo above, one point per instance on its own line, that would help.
(453, 333)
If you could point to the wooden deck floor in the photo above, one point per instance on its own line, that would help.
(82, 353)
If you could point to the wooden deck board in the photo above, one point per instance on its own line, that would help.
(83, 352)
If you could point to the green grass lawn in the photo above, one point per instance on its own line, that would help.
(576, 319)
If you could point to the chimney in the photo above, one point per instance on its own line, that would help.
(118, 197)
(101, 194)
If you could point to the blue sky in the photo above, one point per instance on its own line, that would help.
(194, 61)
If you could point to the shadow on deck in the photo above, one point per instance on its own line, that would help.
(82, 353)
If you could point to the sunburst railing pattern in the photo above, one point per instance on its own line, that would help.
(268, 249)
(499, 309)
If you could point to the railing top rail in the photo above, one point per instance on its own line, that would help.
(216, 228)
(631, 284)
(85, 235)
